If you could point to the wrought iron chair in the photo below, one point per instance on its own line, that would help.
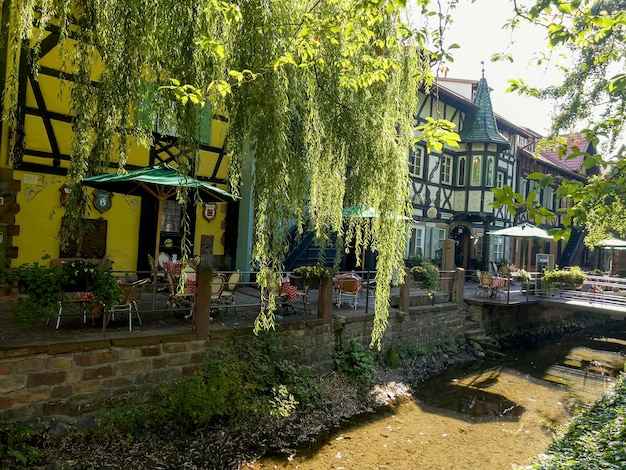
(176, 298)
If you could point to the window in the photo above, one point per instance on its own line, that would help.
(490, 171)
(172, 214)
(415, 162)
(498, 248)
(461, 173)
(501, 178)
(416, 242)
(476, 170)
(523, 184)
(441, 236)
(478, 246)
(446, 169)
(548, 198)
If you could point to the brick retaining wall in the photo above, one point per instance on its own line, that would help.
(68, 380)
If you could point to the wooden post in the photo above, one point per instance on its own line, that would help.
(202, 310)
(405, 292)
(458, 286)
(325, 299)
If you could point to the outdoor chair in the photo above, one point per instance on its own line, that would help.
(348, 289)
(158, 275)
(132, 295)
(185, 298)
(484, 283)
(75, 298)
(228, 293)
(303, 295)
(217, 288)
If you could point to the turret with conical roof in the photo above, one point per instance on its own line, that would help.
(482, 127)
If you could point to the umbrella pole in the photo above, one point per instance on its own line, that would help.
(158, 229)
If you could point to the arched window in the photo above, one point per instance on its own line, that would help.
(490, 171)
(461, 173)
(476, 170)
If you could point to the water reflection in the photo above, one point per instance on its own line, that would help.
(468, 397)
(487, 416)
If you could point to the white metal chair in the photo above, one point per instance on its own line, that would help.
(348, 288)
(132, 295)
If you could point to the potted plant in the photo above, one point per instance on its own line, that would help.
(45, 286)
(427, 273)
(311, 275)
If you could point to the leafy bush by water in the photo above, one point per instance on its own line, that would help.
(233, 385)
(18, 446)
(594, 438)
(358, 362)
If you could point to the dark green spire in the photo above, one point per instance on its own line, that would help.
(482, 126)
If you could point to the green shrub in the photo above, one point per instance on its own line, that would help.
(18, 444)
(572, 278)
(44, 287)
(428, 273)
(392, 358)
(233, 385)
(358, 362)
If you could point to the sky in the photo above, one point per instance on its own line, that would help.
(477, 29)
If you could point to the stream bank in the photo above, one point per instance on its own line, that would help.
(240, 446)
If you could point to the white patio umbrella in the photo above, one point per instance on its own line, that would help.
(614, 244)
(523, 231)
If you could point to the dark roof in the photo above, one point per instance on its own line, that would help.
(573, 164)
(482, 127)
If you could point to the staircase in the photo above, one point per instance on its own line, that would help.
(482, 344)
(305, 251)
(572, 255)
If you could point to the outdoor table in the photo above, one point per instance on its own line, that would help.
(339, 278)
(497, 283)
(290, 291)
(173, 267)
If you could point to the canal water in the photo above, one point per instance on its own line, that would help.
(491, 415)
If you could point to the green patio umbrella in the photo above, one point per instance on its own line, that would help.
(367, 212)
(160, 182)
(524, 231)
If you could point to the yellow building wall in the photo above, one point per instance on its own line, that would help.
(40, 217)
(41, 212)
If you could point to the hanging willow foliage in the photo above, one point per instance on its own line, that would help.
(321, 94)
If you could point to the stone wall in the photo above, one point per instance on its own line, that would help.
(424, 325)
(501, 320)
(68, 380)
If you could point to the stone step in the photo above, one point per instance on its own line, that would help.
(475, 333)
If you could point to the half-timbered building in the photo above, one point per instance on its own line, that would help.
(34, 159)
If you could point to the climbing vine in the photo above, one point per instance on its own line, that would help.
(321, 94)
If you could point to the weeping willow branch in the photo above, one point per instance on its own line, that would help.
(321, 94)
